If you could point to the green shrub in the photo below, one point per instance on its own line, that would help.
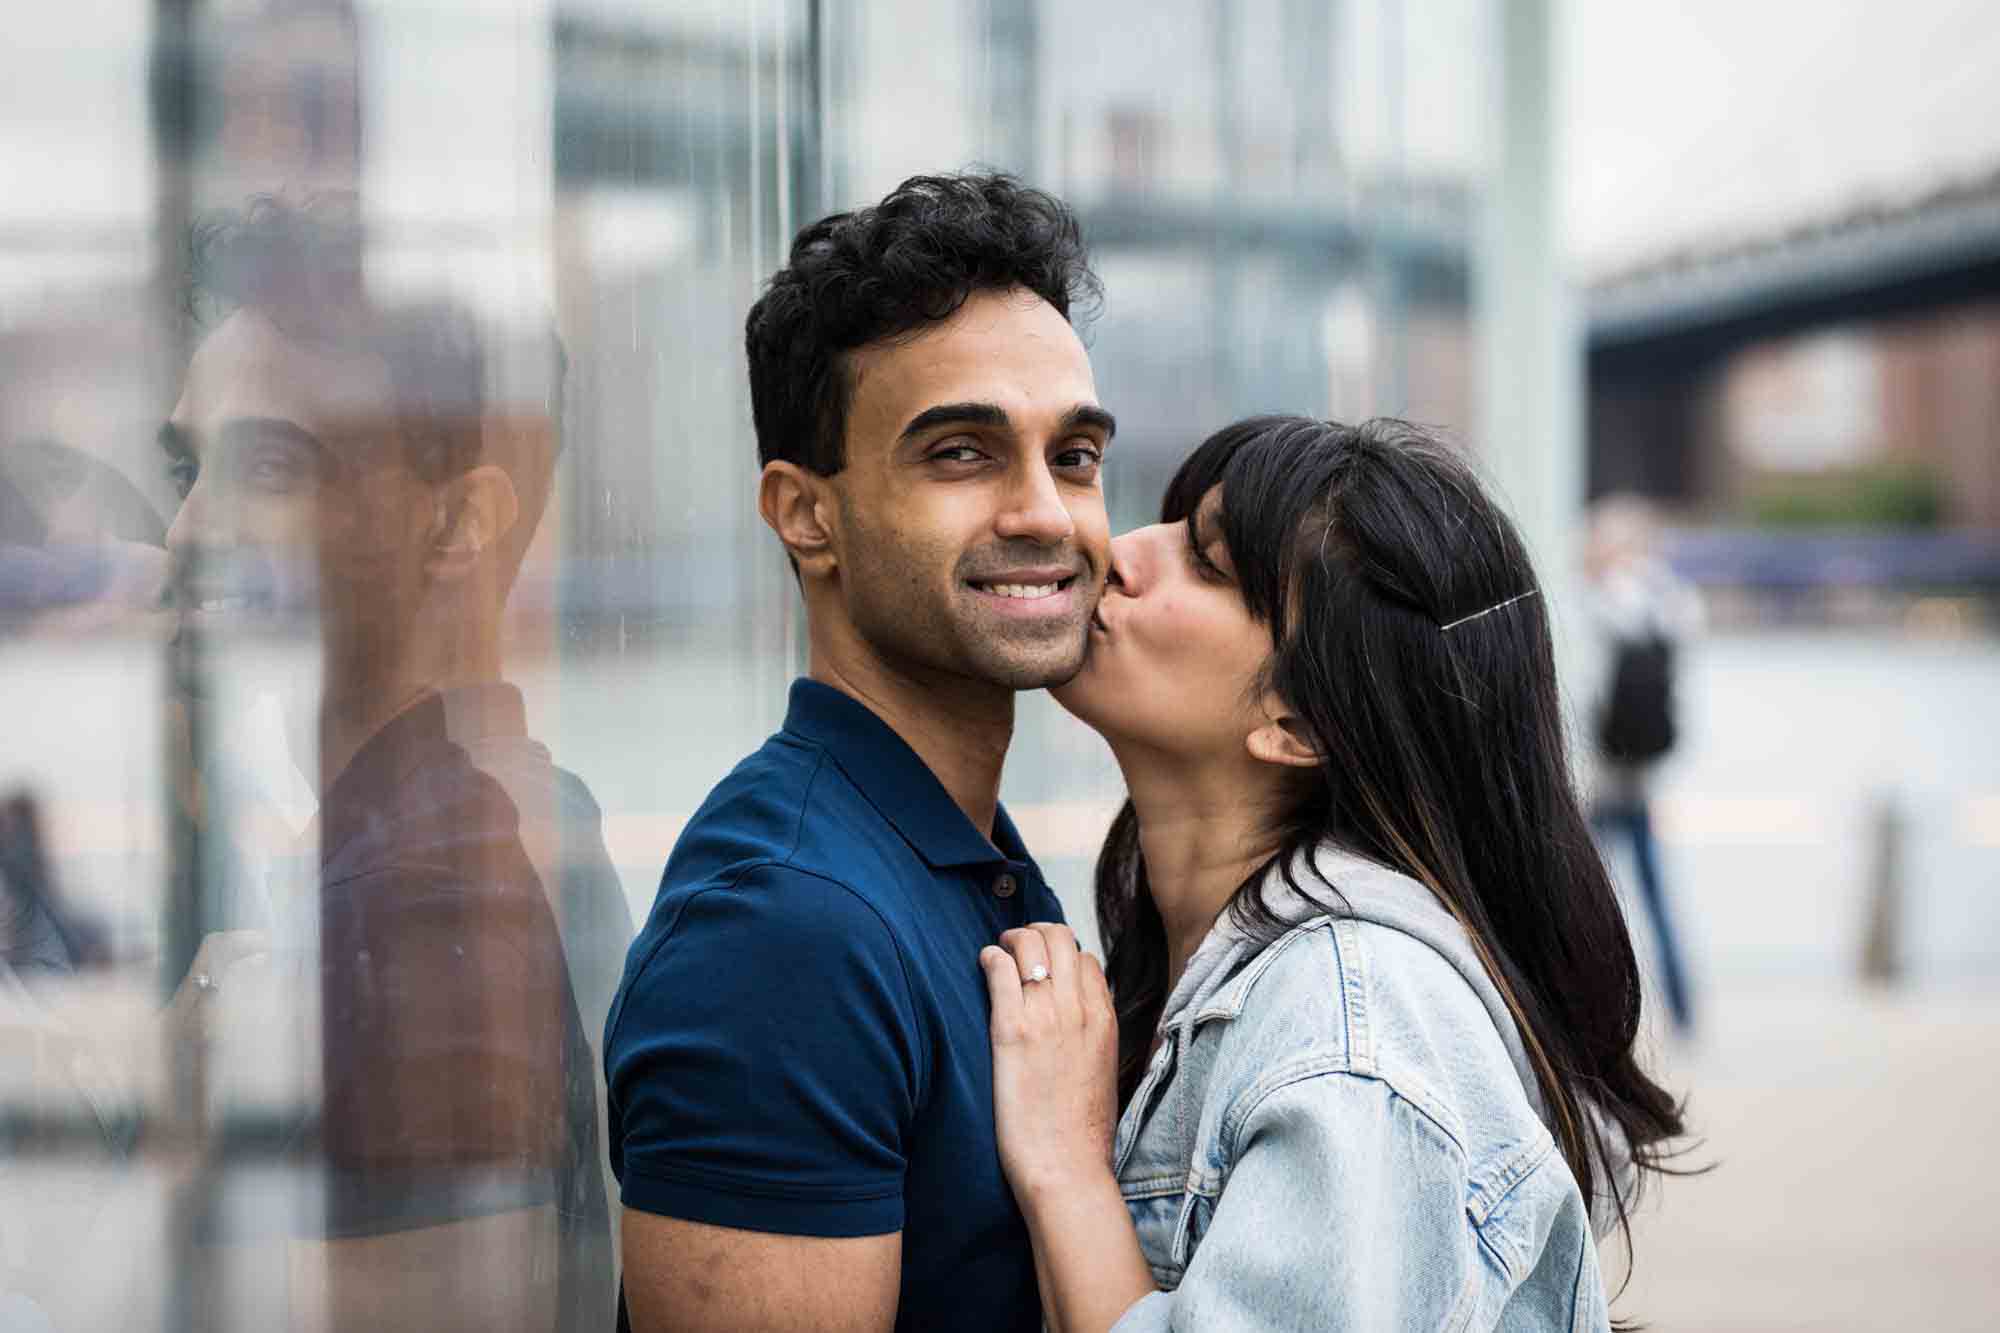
(1880, 495)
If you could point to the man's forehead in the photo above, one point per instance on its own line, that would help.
(248, 367)
(1012, 349)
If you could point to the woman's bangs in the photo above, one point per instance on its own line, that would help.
(1274, 473)
(1202, 472)
(1271, 492)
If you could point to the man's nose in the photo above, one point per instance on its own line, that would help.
(200, 523)
(1035, 508)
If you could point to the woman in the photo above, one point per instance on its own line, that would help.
(1374, 1000)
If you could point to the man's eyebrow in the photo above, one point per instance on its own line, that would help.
(955, 414)
(1090, 416)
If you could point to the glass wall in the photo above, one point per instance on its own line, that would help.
(402, 342)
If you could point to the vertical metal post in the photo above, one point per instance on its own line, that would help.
(1882, 935)
(1388, 225)
(1530, 355)
(174, 75)
(1008, 40)
(1223, 276)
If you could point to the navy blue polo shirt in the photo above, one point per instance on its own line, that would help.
(800, 1041)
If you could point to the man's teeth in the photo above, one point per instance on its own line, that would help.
(1025, 591)
(222, 604)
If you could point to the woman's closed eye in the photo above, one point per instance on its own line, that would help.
(1205, 566)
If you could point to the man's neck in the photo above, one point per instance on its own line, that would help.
(349, 719)
(368, 685)
(960, 730)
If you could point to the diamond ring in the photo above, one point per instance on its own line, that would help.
(204, 982)
(1037, 973)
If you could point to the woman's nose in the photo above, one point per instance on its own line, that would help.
(1130, 560)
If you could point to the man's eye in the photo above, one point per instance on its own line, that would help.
(1080, 456)
(955, 453)
(273, 470)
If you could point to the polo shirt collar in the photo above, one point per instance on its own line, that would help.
(896, 781)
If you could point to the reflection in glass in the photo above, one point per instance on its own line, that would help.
(347, 478)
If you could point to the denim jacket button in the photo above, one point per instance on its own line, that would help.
(1004, 886)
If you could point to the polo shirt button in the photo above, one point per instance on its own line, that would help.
(1004, 886)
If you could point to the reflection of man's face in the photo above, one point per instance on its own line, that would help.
(298, 501)
(973, 533)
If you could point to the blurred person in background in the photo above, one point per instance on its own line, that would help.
(1375, 1003)
(80, 550)
(801, 1086)
(79, 545)
(1639, 614)
(352, 478)
(81, 556)
(40, 935)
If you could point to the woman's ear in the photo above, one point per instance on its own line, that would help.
(1282, 739)
(795, 505)
(474, 511)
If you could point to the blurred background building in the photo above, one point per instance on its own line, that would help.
(1745, 266)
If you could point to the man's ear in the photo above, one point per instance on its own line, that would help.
(474, 511)
(797, 506)
(1282, 739)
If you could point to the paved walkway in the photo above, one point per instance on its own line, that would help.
(1859, 1177)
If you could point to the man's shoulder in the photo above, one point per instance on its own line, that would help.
(787, 814)
(784, 846)
(786, 941)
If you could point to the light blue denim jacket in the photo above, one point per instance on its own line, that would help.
(1341, 1130)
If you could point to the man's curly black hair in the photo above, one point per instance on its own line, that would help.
(879, 272)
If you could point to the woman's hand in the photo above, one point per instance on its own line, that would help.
(1055, 1061)
(1055, 1107)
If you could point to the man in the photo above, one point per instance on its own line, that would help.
(349, 479)
(799, 1071)
(1640, 614)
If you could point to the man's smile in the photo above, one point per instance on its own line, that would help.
(1040, 592)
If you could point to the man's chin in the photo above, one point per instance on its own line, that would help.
(1020, 673)
(210, 655)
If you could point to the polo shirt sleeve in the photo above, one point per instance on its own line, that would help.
(766, 1063)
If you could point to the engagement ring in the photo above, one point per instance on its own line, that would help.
(203, 981)
(1038, 973)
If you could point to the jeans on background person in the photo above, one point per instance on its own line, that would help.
(1633, 822)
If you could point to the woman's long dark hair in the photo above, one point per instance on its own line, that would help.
(1370, 552)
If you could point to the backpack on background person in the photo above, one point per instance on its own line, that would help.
(1635, 717)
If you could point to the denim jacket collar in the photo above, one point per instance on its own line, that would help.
(1221, 975)
(1225, 967)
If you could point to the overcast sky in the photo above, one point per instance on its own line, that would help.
(1697, 119)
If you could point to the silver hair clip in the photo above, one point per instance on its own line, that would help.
(1497, 606)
